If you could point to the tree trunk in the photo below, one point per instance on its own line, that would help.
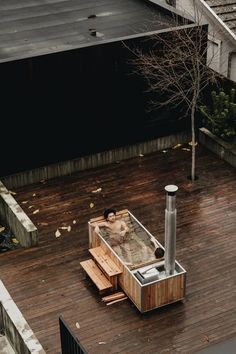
(193, 110)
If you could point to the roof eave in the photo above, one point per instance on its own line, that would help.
(216, 18)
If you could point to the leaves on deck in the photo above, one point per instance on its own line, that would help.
(68, 228)
(74, 221)
(186, 149)
(98, 190)
(36, 211)
(2, 228)
(34, 195)
(12, 193)
(206, 338)
(190, 143)
(25, 201)
(77, 325)
(57, 233)
(176, 146)
(91, 205)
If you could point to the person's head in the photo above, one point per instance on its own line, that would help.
(159, 252)
(109, 214)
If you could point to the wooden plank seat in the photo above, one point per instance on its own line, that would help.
(96, 275)
(105, 262)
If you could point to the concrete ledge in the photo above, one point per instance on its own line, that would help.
(17, 330)
(221, 148)
(93, 161)
(16, 219)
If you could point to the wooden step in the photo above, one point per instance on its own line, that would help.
(96, 275)
(105, 262)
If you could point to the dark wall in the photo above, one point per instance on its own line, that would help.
(71, 104)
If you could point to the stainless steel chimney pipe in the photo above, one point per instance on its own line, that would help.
(170, 229)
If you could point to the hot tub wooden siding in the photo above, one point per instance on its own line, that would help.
(149, 296)
(163, 292)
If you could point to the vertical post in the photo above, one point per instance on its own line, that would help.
(170, 229)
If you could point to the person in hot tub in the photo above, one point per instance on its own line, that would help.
(116, 228)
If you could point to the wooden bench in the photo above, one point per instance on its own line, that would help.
(96, 275)
(106, 264)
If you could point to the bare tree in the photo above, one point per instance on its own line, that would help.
(174, 66)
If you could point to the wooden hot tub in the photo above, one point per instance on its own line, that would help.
(134, 267)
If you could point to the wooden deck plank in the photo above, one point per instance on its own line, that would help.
(47, 280)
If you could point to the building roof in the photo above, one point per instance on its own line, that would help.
(35, 27)
(226, 10)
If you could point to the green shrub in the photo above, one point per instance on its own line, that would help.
(220, 117)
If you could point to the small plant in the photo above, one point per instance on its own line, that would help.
(220, 117)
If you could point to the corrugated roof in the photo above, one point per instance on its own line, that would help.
(226, 10)
(34, 27)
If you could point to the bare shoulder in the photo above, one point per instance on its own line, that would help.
(103, 224)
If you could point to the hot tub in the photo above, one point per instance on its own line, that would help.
(143, 277)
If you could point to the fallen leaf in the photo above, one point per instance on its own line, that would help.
(176, 146)
(74, 221)
(34, 195)
(77, 325)
(31, 206)
(25, 202)
(36, 211)
(186, 149)
(57, 233)
(91, 205)
(164, 151)
(2, 228)
(206, 339)
(11, 192)
(190, 143)
(141, 155)
(101, 342)
(69, 228)
(14, 240)
(97, 190)
(63, 227)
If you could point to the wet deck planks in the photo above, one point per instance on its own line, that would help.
(47, 280)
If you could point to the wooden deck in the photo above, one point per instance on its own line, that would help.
(47, 280)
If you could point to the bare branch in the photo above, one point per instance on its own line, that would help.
(174, 65)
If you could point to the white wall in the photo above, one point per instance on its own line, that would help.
(233, 66)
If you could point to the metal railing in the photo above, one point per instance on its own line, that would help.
(69, 343)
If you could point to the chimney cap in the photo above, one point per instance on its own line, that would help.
(171, 188)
